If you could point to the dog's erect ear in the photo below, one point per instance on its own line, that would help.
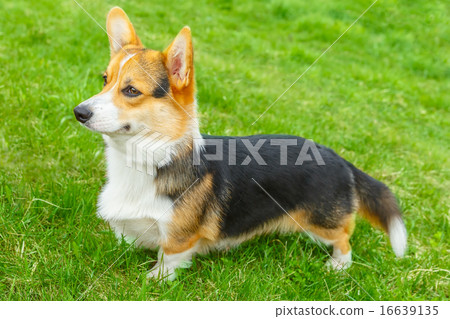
(179, 60)
(120, 30)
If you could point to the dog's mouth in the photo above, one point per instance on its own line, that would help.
(124, 129)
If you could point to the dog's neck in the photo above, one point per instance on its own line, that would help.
(146, 151)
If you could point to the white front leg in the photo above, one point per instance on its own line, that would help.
(143, 232)
(166, 265)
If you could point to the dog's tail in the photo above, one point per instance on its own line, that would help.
(378, 205)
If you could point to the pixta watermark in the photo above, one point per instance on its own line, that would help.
(148, 150)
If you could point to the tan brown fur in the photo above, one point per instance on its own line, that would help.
(195, 217)
(299, 221)
(340, 236)
(283, 224)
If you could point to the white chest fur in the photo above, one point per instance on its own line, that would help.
(129, 201)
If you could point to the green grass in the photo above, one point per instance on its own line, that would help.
(379, 97)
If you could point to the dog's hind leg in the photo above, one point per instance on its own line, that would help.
(342, 253)
(338, 238)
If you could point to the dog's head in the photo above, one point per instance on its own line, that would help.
(143, 88)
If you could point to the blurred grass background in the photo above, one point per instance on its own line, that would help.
(379, 98)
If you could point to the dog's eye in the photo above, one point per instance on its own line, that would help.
(131, 91)
(105, 79)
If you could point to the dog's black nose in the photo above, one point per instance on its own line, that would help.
(82, 113)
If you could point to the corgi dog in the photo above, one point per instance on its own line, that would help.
(188, 193)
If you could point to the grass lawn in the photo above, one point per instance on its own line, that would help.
(379, 97)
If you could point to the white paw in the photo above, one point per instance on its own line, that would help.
(340, 261)
(161, 273)
(335, 264)
(185, 264)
